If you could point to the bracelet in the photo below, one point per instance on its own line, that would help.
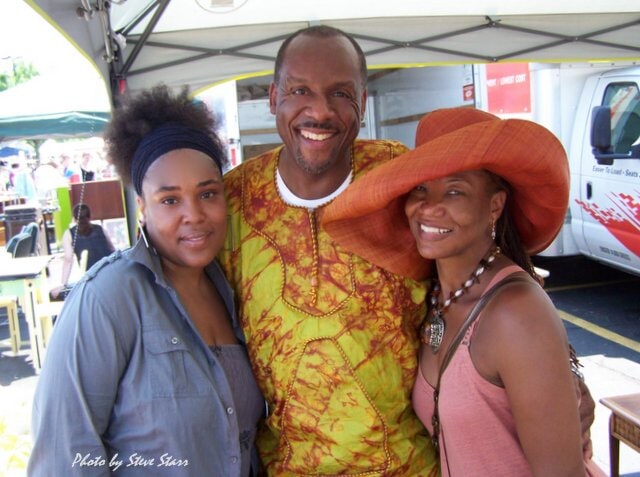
(575, 363)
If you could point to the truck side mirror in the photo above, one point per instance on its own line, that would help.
(601, 128)
(601, 145)
(601, 134)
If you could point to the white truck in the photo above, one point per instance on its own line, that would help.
(605, 169)
(596, 115)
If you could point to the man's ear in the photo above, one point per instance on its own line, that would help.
(363, 104)
(273, 97)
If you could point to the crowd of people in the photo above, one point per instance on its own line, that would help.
(298, 314)
(36, 179)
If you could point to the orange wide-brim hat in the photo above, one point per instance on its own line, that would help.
(369, 219)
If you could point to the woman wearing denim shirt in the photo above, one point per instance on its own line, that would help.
(146, 372)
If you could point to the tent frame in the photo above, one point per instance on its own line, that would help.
(142, 32)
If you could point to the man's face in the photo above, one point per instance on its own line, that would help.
(319, 102)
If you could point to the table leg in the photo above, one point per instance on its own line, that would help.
(614, 449)
(14, 327)
(35, 332)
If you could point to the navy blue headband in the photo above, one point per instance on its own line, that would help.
(165, 138)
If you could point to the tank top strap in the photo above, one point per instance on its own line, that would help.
(501, 275)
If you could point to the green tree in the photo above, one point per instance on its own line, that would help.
(35, 144)
(19, 73)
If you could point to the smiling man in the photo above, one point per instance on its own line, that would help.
(332, 338)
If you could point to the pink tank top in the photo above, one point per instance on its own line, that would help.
(478, 434)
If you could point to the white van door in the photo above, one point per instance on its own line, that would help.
(609, 199)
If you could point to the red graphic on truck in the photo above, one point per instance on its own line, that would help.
(622, 219)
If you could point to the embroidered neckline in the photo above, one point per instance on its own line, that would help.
(290, 198)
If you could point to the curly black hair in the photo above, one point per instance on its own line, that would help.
(140, 114)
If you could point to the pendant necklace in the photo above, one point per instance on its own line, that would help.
(433, 327)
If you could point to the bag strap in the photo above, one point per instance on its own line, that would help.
(471, 317)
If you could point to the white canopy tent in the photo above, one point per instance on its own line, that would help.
(137, 43)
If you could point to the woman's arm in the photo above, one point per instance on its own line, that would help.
(67, 263)
(532, 359)
(77, 388)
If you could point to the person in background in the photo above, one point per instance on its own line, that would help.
(146, 372)
(84, 235)
(5, 183)
(67, 168)
(23, 182)
(474, 200)
(48, 180)
(86, 168)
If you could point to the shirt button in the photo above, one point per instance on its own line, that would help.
(234, 460)
(175, 340)
(229, 410)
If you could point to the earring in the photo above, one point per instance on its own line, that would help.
(143, 234)
(493, 230)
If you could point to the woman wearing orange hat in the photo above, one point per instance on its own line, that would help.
(478, 196)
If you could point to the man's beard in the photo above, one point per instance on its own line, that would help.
(314, 170)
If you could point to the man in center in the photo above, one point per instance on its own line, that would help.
(332, 338)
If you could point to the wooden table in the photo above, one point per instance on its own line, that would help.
(624, 425)
(26, 279)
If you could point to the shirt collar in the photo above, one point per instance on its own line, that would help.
(143, 255)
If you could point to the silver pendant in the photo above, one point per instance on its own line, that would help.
(436, 332)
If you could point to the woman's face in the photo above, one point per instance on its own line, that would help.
(453, 216)
(184, 209)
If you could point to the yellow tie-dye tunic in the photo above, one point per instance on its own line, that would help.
(332, 338)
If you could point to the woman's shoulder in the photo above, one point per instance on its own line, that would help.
(515, 293)
(520, 310)
(114, 271)
(516, 325)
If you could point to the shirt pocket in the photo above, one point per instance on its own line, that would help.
(173, 370)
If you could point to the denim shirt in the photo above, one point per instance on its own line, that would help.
(128, 386)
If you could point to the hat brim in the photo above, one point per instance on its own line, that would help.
(369, 219)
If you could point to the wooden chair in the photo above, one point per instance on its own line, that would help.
(15, 339)
(20, 245)
(47, 312)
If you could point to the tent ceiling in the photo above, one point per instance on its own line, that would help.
(178, 42)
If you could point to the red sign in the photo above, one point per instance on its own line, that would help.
(468, 92)
(508, 88)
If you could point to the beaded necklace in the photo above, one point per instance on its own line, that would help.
(433, 327)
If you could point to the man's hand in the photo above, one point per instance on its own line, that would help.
(587, 409)
(55, 292)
